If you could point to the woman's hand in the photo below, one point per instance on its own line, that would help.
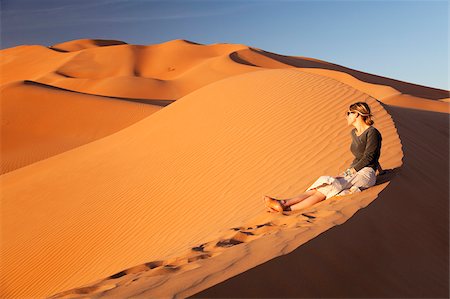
(347, 172)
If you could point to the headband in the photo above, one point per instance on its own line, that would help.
(363, 114)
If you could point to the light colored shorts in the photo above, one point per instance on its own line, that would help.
(331, 186)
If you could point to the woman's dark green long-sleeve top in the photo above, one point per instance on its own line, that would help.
(366, 148)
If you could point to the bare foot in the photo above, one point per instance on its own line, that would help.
(273, 204)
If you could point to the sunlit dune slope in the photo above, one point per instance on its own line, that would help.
(35, 114)
(173, 179)
(39, 122)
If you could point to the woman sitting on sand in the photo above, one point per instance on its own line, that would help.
(366, 147)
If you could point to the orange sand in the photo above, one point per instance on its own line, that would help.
(109, 191)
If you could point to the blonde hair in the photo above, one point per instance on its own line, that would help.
(362, 109)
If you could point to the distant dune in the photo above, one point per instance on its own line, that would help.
(138, 171)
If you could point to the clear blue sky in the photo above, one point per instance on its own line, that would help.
(404, 40)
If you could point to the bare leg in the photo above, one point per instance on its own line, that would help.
(299, 198)
(285, 204)
(311, 200)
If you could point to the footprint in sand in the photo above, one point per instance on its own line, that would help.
(138, 269)
(233, 237)
(90, 290)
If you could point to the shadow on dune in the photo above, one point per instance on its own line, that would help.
(58, 50)
(387, 175)
(236, 58)
(161, 103)
(96, 42)
(403, 87)
(191, 42)
(107, 42)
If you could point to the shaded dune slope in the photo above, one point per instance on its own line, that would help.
(129, 182)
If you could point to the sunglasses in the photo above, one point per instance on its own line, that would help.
(352, 112)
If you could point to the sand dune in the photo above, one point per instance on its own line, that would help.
(39, 122)
(110, 69)
(107, 192)
(166, 71)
